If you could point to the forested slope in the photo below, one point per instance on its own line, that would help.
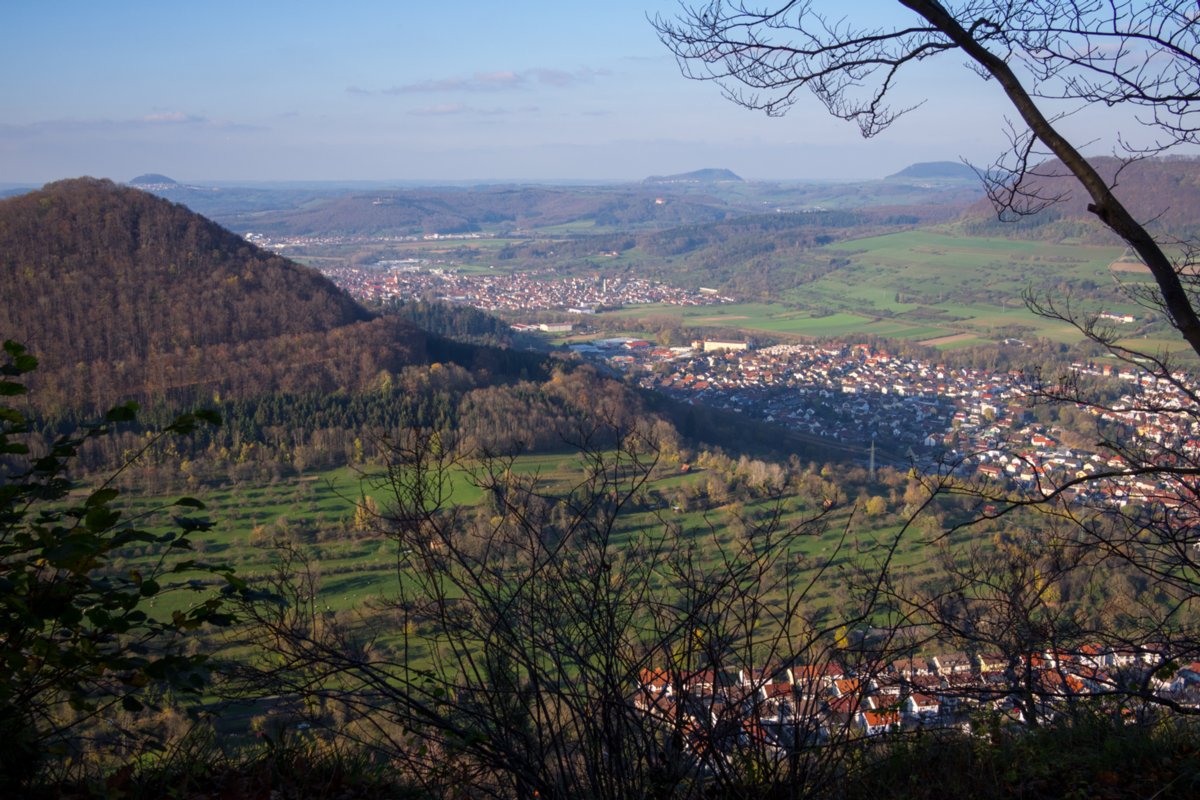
(122, 294)
(1163, 193)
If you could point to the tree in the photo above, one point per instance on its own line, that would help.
(548, 644)
(76, 635)
(1096, 52)
(1134, 519)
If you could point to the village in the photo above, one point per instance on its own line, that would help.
(522, 291)
(969, 422)
(783, 708)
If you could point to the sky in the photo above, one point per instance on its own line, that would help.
(521, 90)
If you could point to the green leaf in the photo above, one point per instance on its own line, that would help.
(9, 388)
(189, 502)
(149, 588)
(126, 412)
(18, 354)
(184, 423)
(101, 518)
(130, 703)
(209, 415)
(101, 497)
(190, 524)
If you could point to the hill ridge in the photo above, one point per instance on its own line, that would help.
(121, 293)
(708, 175)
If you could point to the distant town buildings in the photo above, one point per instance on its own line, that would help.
(975, 423)
(715, 345)
(502, 291)
(790, 705)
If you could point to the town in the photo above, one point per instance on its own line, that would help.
(502, 291)
(784, 708)
(971, 422)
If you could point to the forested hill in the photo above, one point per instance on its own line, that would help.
(123, 295)
(434, 210)
(120, 293)
(1161, 192)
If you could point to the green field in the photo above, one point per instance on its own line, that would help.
(315, 514)
(969, 285)
(784, 320)
(937, 287)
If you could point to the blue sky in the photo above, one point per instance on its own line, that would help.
(519, 90)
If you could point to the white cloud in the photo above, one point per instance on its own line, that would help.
(441, 109)
(171, 117)
(497, 81)
(458, 108)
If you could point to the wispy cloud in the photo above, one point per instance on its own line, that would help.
(172, 117)
(445, 109)
(442, 109)
(153, 121)
(498, 81)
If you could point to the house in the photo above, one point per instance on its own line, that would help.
(815, 675)
(711, 345)
(991, 663)
(921, 706)
(911, 667)
(952, 664)
(992, 471)
(878, 722)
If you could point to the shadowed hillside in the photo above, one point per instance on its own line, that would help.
(120, 293)
(1163, 193)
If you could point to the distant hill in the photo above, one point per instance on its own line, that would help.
(445, 210)
(1163, 193)
(936, 169)
(120, 293)
(698, 176)
(153, 179)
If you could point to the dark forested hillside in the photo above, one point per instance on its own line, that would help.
(113, 273)
(1163, 193)
(123, 294)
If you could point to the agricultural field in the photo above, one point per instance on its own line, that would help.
(316, 514)
(970, 285)
(783, 320)
(940, 289)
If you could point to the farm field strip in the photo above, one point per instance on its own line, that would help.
(785, 320)
(925, 285)
(314, 514)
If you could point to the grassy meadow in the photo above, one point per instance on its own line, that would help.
(315, 513)
(937, 288)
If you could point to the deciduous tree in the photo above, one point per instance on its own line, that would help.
(1138, 515)
(76, 634)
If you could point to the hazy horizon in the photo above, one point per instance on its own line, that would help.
(528, 92)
